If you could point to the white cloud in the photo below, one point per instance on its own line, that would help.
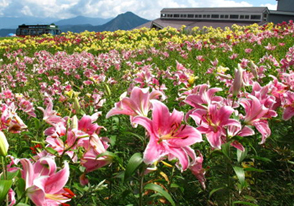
(224, 3)
(270, 6)
(149, 9)
(26, 11)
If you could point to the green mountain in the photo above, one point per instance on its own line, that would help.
(79, 20)
(126, 21)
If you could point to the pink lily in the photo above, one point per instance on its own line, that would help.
(233, 130)
(213, 121)
(11, 197)
(202, 97)
(94, 147)
(137, 104)
(50, 115)
(257, 115)
(168, 137)
(45, 186)
(198, 170)
(80, 132)
(10, 120)
(288, 104)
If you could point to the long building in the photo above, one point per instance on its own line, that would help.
(222, 16)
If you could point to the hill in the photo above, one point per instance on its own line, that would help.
(124, 21)
(79, 20)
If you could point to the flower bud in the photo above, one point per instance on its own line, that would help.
(76, 105)
(74, 122)
(238, 80)
(3, 144)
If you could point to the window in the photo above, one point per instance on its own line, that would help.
(190, 15)
(264, 17)
(183, 15)
(234, 16)
(224, 16)
(176, 15)
(244, 16)
(169, 15)
(215, 16)
(255, 16)
(163, 15)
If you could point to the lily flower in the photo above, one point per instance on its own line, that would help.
(213, 121)
(138, 104)
(198, 170)
(94, 147)
(168, 137)
(44, 185)
(50, 115)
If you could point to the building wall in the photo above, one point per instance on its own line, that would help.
(286, 5)
(275, 18)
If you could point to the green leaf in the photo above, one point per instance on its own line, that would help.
(141, 138)
(4, 188)
(110, 154)
(51, 151)
(250, 198)
(264, 159)
(133, 164)
(112, 140)
(22, 204)
(20, 186)
(241, 155)
(243, 203)
(252, 169)
(10, 175)
(225, 150)
(161, 191)
(241, 175)
(214, 191)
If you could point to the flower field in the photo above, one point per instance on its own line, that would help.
(149, 117)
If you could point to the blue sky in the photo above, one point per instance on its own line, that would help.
(149, 9)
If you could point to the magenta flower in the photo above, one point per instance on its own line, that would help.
(168, 137)
(257, 115)
(94, 147)
(137, 104)
(10, 120)
(203, 96)
(233, 130)
(79, 133)
(50, 115)
(11, 197)
(213, 123)
(288, 104)
(44, 185)
(198, 170)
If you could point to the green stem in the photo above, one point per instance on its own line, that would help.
(22, 196)
(141, 185)
(229, 178)
(5, 175)
(4, 168)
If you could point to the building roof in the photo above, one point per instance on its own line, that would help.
(281, 13)
(217, 9)
(161, 23)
